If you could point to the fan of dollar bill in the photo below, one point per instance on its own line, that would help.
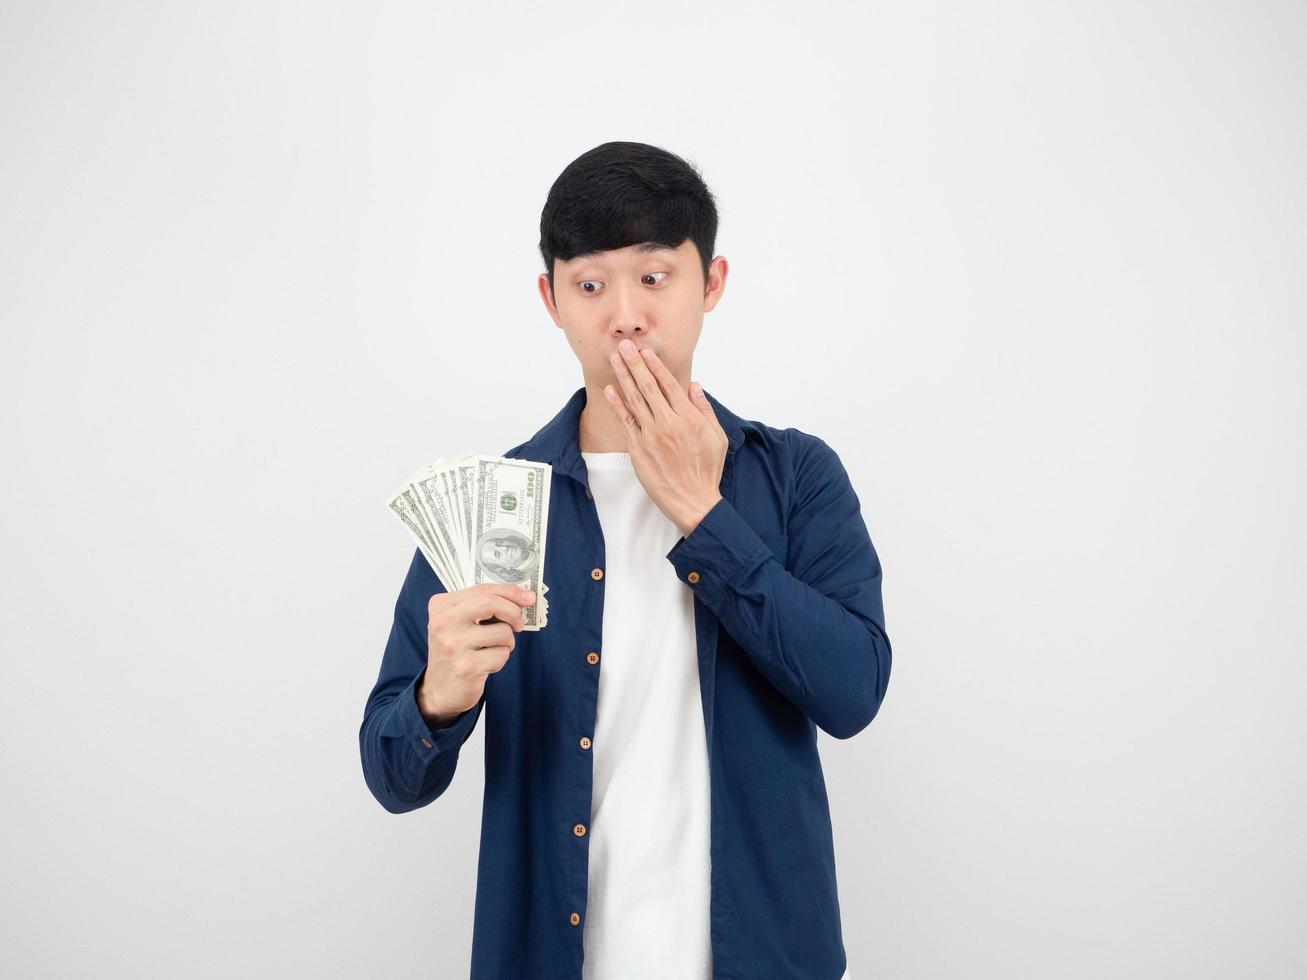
(480, 518)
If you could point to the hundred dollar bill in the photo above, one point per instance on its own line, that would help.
(468, 474)
(433, 490)
(511, 522)
(405, 504)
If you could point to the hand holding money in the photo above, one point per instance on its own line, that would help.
(469, 637)
(481, 520)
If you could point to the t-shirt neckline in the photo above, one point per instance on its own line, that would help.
(607, 461)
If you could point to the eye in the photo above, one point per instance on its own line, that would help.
(648, 274)
(584, 281)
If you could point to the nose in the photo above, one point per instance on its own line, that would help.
(628, 315)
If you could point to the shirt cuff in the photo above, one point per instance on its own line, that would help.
(406, 722)
(721, 547)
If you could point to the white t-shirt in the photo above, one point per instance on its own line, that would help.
(647, 910)
(647, 913)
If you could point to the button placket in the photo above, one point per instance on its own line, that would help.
(579, 830)
(591, 658)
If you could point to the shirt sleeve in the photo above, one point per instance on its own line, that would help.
(406, 764)
(816, 632)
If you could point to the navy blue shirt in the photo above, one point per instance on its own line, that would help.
(790, 634)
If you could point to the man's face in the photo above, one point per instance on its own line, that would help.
(655, 299)
(507, 552)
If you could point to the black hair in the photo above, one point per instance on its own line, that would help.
(621, 194)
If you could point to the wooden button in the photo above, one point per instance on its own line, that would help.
(574, 918)
(585, 742)
(426, 743)
(692, 577)
(579, 830)
(596, 573)
(589, 495)
(592, 657)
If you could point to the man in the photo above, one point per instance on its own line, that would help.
(654, 801)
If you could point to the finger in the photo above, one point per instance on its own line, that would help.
(493, 659)
(635, 403)
(628, 420)
(491, 635)
(503, 610)
(700, 401)
(477, 602)
(648, 385)
(671, 388)
(471, 592)
(493, 588)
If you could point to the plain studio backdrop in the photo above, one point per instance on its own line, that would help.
(1035, 271)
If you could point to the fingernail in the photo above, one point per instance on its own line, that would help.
(528, 594)
(627, 346)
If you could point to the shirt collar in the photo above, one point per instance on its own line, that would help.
(558, 441)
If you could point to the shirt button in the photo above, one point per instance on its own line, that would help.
(592, 657)
(579, 830)
(426, 743)
(596, 573)
(585, 742)
(574, 918)
(692, 577)
(589, 495)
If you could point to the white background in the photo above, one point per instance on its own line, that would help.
(1034, 270)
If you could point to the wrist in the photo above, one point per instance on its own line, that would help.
(700, 512)
(431, 712)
